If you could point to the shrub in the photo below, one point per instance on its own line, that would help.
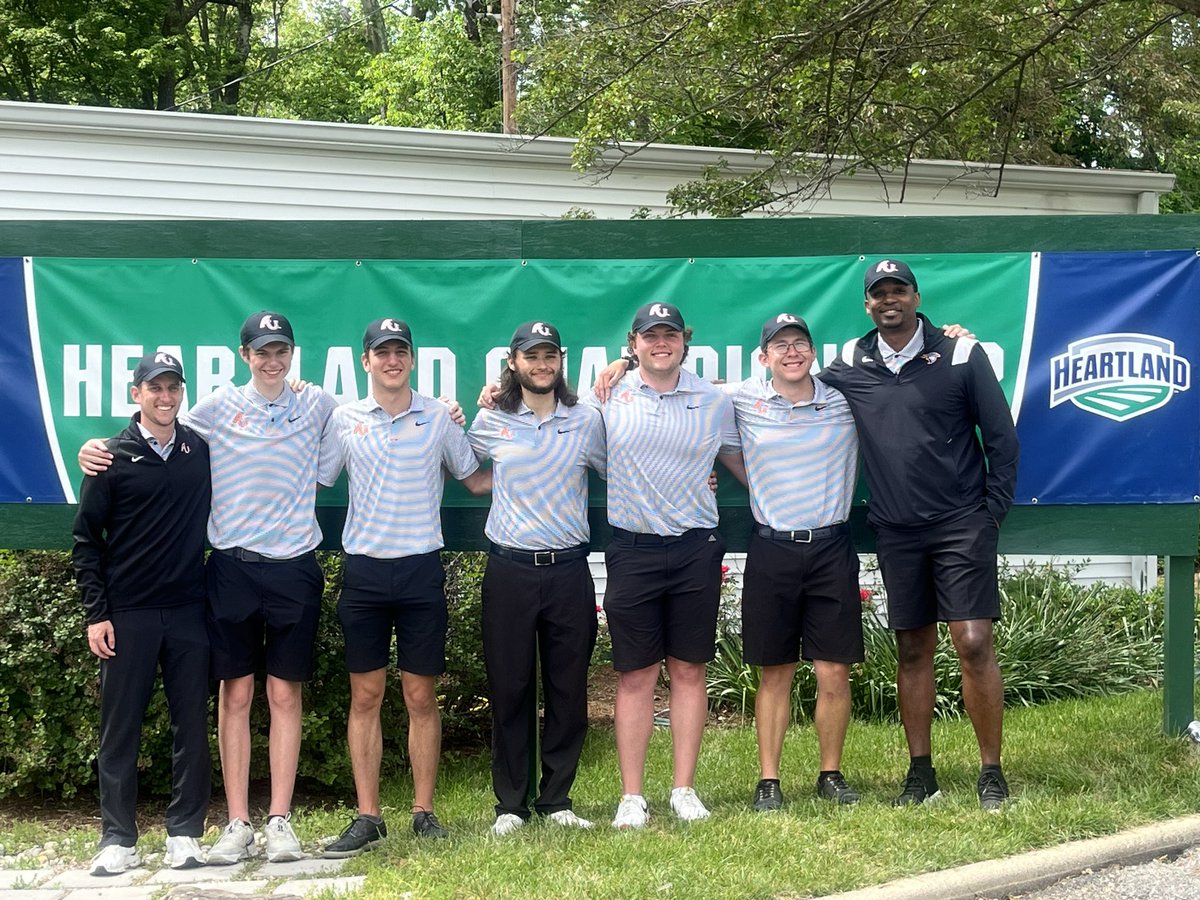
(1055, 639)
(49, 687)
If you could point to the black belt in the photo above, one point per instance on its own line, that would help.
(803, 535)
(638, 537)
(540, 557)
(250, 556)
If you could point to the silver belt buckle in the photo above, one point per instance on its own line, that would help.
(807, 539)
(543, 557)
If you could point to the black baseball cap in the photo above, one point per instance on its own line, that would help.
(531, 334)
(264, 328)
(154, 364)
(776, 324)
(888, 268)
(383, 330)
(658, 313)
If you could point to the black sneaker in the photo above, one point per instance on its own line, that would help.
(767, 796)
(425, 824)
(993, 790)
(918, 788)
(361, 834)
(833, 787)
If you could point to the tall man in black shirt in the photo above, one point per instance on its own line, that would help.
(938, 496)
(139, 563)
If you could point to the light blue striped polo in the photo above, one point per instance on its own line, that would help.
(539, 474)
(661, 448)
(802, 459)
(395, 471)
(264, 467)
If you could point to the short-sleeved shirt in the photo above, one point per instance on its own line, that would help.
(539, 474)
(264, 467)
(801, 459)
(395, 471)
(661, 448)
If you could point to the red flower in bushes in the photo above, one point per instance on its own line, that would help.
(865, 596)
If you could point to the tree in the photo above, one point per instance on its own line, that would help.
(824, 87)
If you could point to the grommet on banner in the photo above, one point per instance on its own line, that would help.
(195, 261)
(358, 262)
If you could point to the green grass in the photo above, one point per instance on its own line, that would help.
(1078, 769)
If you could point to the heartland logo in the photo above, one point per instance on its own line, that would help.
(1118, 376)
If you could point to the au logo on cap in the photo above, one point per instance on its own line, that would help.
(887, 266)
(165, 359)
(270, 322)
(786, 317)
(659, 311)
(390, 325)
(540, 328)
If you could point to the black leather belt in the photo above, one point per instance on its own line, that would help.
(540, 557)
(638, 537)
(250, 556)
(803, 535)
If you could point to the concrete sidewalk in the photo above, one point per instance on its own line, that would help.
(1040, 868)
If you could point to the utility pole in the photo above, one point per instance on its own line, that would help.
(508, 73)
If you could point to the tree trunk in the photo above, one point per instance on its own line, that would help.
(374, 28)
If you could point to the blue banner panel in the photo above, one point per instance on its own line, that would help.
(27, 470)
(1109, 413)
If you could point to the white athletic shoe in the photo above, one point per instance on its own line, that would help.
(235, 844)
(114, 859)
(566, 818)
(686, 805)
(507, 823)
(632, 812)
(282, 843)
(183, 853)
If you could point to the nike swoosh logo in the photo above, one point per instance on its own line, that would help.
(420, 422)
(820, 406)
(294, 419)
(136, 458)
(697, 406)
(565, 430)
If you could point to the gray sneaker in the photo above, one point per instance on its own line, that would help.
(282, 843)
(235, 844)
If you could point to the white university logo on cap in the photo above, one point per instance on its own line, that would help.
(390, 325)
(785, 317)
(887, 266)
(269, 322)
(659, 311)
(540, 328)
(165, 359)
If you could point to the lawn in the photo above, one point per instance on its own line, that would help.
(1078, 769)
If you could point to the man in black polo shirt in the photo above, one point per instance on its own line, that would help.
(139, 563)
(939, 492)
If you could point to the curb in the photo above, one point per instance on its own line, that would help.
(1040, 868)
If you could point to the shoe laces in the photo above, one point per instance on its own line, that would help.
(992, 786)
(914, 784)
(766, 790)
(838, 782)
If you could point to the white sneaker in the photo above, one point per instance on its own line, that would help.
(114, 859)
(567, 819)
(183, 853)
(507, 823)
(235, 844)
(686, 805)
(632, 812)
(282, 843)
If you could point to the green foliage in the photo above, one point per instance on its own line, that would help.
(49, 691)
(1055, 640)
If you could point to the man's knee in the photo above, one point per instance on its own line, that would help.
(687, 675)
(420, 695)
(283, 697)
(236, 696)
(974, 643)
(915, 647)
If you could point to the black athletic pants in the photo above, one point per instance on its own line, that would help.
(551, 607)
(175, 639)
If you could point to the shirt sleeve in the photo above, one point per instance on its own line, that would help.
(731, 440)
(999, 434)
(478, 433)
(202, 418)
(457, 455)
(597, 446)
(333, 452)
(88, 552)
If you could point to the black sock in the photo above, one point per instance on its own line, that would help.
(991, 768)
(772, 780)
(827, 772)
(921, 762)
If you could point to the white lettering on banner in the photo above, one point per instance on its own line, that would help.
(443, 360)
(88, 374)
(733, 363)
(702, 360)
(494, 363)
(592, 361)
(1118, 376)
(341, 366)
(124, 361)
(214, 368)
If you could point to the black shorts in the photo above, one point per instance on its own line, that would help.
(662, 597)
(801, 600)
(263, 614)
(944, 573)
(405, 596)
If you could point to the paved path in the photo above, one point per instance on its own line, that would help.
(253, 878)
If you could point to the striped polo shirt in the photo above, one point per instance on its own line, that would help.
(661, 448)
(801, 459)
(539, 474)
(395, 472)
(264, 467)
